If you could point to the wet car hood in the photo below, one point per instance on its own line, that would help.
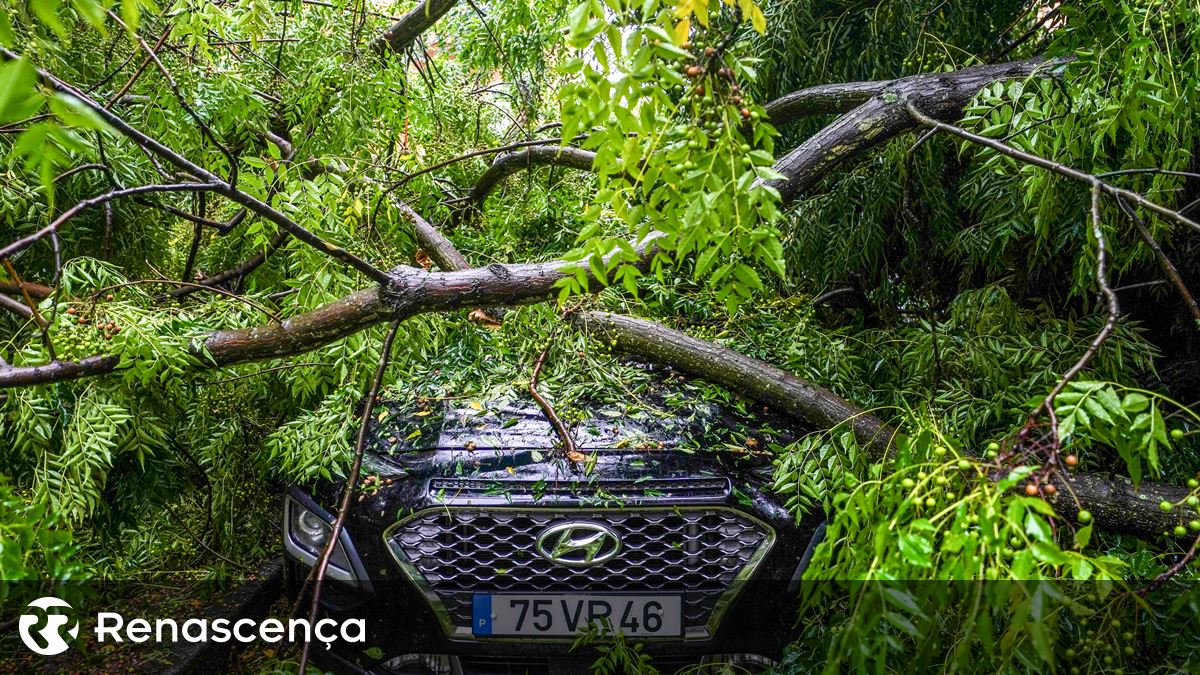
(514, 440)
(675, 447)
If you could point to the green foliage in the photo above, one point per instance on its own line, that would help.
(1126, 419)
(972, 278)
(678, 150)
(32, 547)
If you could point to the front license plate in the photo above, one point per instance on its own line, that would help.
(549, 615)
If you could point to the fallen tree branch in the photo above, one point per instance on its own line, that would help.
(400, 35)
(36, 291)
(317, 575)
(1113, 501)
(20, 309)
(874, 113)
(822, 99)
(884, 116)
(446, 256)
(509, 163)
(919, 114)
(568, 443)
(1164, 262)
(25, 242)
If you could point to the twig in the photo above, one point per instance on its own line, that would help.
(220, 227)
(1164, 262)
(197, 233)
(1110, 323)
(43, 325)
(568, 443)
(25, 242)
(1172, 571)
(1051, 165)
(140, 69)
(318, 571)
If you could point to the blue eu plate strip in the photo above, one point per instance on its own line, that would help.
(482, 615)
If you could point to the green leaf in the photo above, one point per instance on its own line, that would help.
(916, 549)
(1037, 527)
(7, 37)
(1083, 536)
(19, 98)
(1048, 553)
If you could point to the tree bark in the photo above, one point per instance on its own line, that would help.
(822, 99)
(35, 291)
(401, 34)
(1115, 504)
(744, 374)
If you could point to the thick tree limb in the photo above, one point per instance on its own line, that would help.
(1113, 501)
(539, 155)
(37, 291)
(56, 371)
(447, 257)
(875, 112)
(749, 376)
(400, 35)
(15, 307)
(823, 99)
(884, 116)
(435, 244)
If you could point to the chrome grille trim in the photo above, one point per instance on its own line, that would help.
(450, 490)
(706, 554)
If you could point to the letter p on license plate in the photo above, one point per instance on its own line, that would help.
(554, 615)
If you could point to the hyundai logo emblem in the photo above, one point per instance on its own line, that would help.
(578, 543)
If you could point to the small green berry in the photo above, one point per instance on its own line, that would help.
(963, 465)
(1165, 506)
(940, 450)
(1177, 434)
(1193, 483)
(1195, 525)
(993, 447)
(1193, 501)
(1084, 517)
(907, 483)
(930, 502)
(1180, 531)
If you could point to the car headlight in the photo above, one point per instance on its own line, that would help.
(305, 537)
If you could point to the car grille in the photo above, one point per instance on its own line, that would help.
(703, 554)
